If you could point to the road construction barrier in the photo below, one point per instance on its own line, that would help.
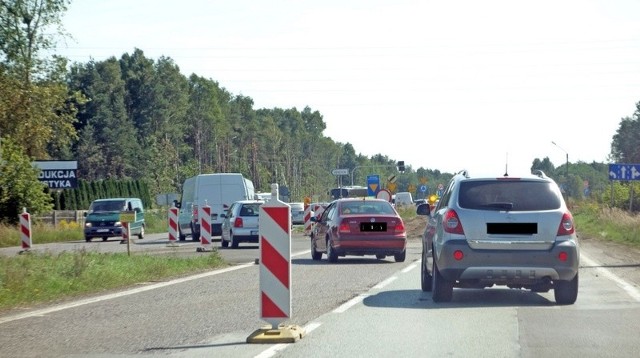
(125, 232)
(275, 272)
(307, 220)
(25, 229)
(173, 225)
(205, 228)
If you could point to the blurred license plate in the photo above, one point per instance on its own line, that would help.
(375, 227)
(102, 230)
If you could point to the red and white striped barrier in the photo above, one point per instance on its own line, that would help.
(125, 232)
(25, 229)
(205, 228)
(307, 220)
(275, 273)
(173, 225)
(275, 259)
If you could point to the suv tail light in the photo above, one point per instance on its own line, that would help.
(452, 223)
(566, 225)
(238, 222)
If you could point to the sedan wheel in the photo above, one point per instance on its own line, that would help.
(401, 256)
(332, 256)
(315, 255)
(141, 234)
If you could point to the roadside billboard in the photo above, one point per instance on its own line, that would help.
(58, 174)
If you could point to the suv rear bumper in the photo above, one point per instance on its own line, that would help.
(505, 267)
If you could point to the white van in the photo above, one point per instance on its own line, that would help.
(403, 198)
(219, 191)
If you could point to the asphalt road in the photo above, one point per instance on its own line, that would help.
(359, 307)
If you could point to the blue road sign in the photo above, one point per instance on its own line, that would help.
(624, 171)
(373, 185)
(423, 188)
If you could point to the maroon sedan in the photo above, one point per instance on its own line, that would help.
(359, 226)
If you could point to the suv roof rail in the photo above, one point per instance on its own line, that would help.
(464, 172)
(539, 173)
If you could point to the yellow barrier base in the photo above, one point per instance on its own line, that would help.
(283, 334)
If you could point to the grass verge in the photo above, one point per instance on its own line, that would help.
(32, 278)
(612, 224)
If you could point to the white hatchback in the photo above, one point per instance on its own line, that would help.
(240, 223)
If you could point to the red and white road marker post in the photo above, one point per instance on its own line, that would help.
(307, 219)
(205, 228)
(25, 230)
(173, 226)
(275, 273)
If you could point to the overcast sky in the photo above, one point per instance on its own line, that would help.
(445, 85)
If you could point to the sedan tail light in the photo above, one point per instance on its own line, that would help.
(238, 222)
(344, 227)
(194, 213)
(452, 223)
(399, 226)
(566, 225)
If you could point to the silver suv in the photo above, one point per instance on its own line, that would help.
(240, 223)
(514, 232)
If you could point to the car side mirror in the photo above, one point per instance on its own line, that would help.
(424, 209)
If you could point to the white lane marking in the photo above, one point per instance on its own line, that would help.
(385, 282)
(629, 288)
(57, 308)
(352, 302)
(301, 253)
(271, 351)
(409, 268)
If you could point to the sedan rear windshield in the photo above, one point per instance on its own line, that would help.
(366, 207)
(509, 195)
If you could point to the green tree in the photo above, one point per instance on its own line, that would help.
(19, 185)
(39, 111)
(625, 146)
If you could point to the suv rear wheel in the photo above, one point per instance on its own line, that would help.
(566, 292)
(442, 289)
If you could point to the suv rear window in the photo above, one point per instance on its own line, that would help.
(510, 195)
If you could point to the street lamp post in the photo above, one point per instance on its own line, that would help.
(567, 154)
